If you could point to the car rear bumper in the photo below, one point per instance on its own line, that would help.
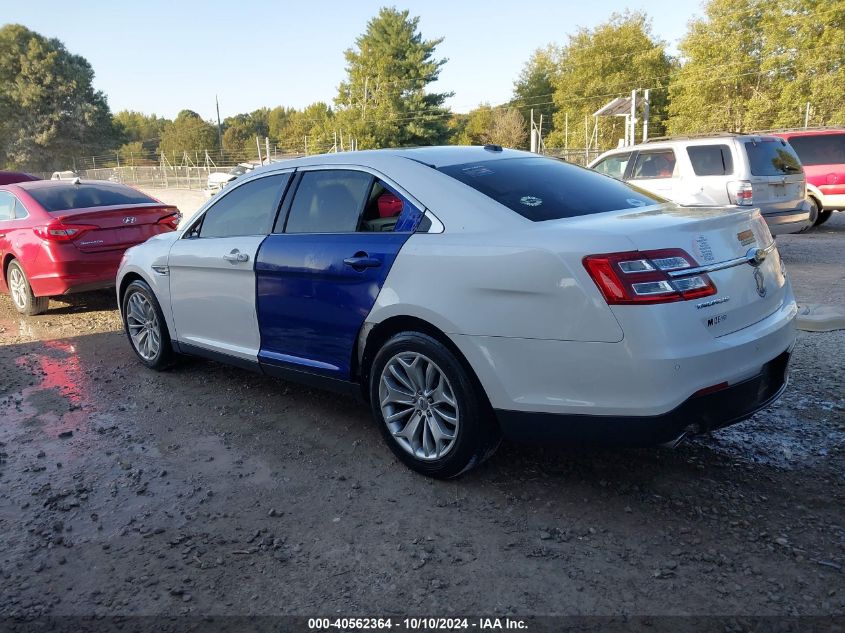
(638, 377)
(833, 201)
(698, 414)
(791, 221)
(77, 273)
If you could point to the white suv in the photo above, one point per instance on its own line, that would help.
(727, 169)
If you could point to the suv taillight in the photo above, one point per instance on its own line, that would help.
(57, 231)
(741, 193)
(643, 277)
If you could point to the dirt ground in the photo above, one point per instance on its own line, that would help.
(207, 490)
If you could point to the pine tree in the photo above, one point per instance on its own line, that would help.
(383, 102)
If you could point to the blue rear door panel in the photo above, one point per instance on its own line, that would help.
(311, 304)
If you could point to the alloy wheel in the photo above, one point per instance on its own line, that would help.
(17, 287)
(143, 325)
(419, 406)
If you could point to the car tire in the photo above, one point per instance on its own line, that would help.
(145, 326)
(824, 216)
(420, 395)
(20, 291)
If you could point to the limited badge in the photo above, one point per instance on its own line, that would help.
(746, 237)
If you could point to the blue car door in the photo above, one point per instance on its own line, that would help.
(319, 273)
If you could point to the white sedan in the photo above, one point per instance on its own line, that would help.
(469, 293)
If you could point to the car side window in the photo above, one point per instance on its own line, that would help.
(655, 164)
(20, 210)
(387, 210)
(7, 206)
(614, 166)
(711, 160)
(248, 209)
(329, 201)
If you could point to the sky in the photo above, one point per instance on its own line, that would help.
(160, 56)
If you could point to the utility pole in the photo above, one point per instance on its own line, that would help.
(219, 129)
(807, 115)
(258, 146)
(306, 145)
(364, 105)
(541, 147)
(633, 135)
(566, 131)
(267, 149)
(646, 112)
(533, 134)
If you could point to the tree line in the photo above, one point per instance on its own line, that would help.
(745, 65)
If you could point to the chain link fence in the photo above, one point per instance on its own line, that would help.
(157, 177)
(166, 175)
(581, 157)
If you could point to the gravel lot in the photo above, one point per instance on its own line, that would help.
(207, 490)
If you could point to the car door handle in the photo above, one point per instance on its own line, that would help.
(362, 260)
(236, 256)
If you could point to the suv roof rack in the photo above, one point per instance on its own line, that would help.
(681, 137)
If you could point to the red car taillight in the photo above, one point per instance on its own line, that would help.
(741, 193)
(638, 277)
(171, 220)
(57, 231)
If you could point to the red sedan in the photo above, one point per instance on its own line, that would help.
(59, 237)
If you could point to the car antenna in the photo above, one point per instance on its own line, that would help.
(490, 147)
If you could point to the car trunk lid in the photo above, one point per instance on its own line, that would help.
(720, 240)
(117, 227)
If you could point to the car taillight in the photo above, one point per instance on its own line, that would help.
(741, 193)
(57, 231)
(171, 220)
(638, 277)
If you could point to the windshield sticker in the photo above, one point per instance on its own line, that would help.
(477, 170)
(702, 249)
(531, 201)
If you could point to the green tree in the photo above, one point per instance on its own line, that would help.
(502, 125)
(277, 119)
(313, 127)
(134, 153)
(188, 132)
(535, 86)
(477, 126)
(510, 128)
(241, 131)
(610, 60)
(49, 109)
(135, 126)
(383, 101)
(752, 64)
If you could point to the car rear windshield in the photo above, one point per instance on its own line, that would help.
(772, 158)
(825, 149)
(85, 196)
(547, 189)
